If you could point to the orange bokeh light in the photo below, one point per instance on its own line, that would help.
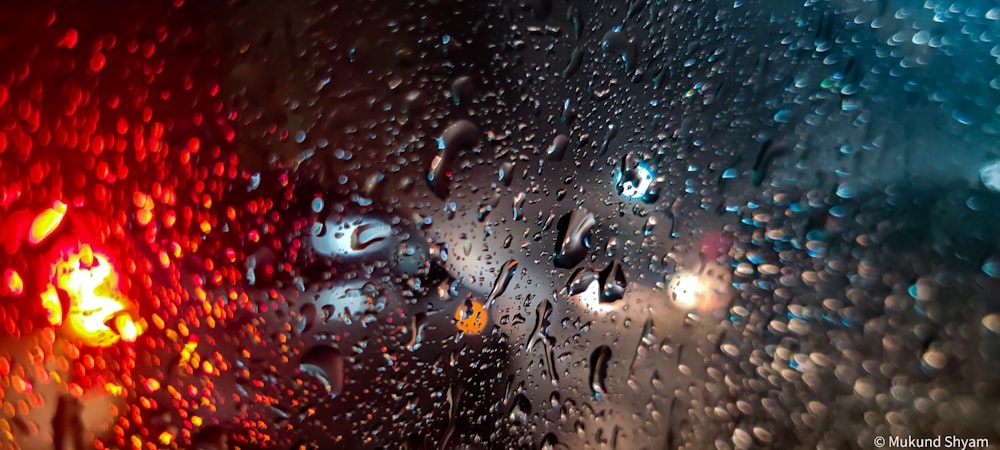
(470, 317)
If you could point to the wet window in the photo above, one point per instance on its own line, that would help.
(537, 224)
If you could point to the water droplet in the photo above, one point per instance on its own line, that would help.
(520, 411)
(557, 149)
(647, 228)
(518, 204)
(352, 236)
(634, 179)
(991, 267)
(454, 397)
(506, 173)
(581, 280)
(483, 212)
(571, 245)
(417, 323)
(317, 205)
(600, 359)
(366, 235)
(617, 43)
(611, 247)
(742, 439)
(613, 282)
(540, 335)
(460, 136)
(990, 175)
(550, 442)
(934, 359)
(502, 281)
(992, 322)
(308, 313)
(762, 434)
(568, 113)
(646, 340)
(462, 90)
(575, 59)
(326, 364)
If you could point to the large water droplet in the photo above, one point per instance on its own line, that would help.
(571, 245)
(581, 280)
(520, 411)
(617, 43)
(557, 149)
(367, 234)
(326, 364)
(540, 335)
(568, 113)
(352, 236)
(613, 282)
(502, 281)
(454, 397)
(634, 178)
(462, 90)
(308, 313)
(506, 173)
(550, 442)
(600, 359)
(575, 59)
(460, 135)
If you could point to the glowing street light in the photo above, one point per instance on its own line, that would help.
(91, 283)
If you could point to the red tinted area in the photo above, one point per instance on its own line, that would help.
(715, 244)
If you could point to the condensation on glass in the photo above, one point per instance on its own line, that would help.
(549, 224)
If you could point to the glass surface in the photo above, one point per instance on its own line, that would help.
(311, 224)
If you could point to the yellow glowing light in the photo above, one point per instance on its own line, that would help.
(127, 328)
(92, 285)
(152, 385)
(187, 352)
(46, 223)
(52, 306)
(705, 291)
(114, 389)
(14, 282)
(166, 438)
(687, 290)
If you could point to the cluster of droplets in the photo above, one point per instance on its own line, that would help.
(654, 224)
